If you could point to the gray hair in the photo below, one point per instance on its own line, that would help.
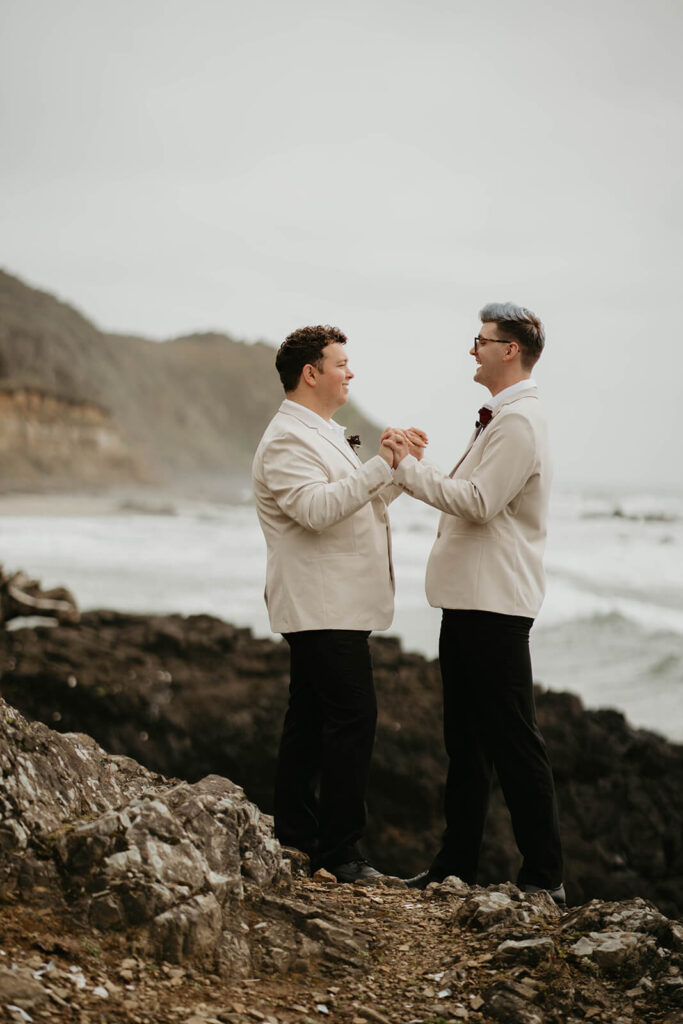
(523, 325)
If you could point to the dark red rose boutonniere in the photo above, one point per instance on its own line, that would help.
(355, 441)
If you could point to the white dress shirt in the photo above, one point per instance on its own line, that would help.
(522, 385)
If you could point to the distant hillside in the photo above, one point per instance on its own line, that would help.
(82, 406)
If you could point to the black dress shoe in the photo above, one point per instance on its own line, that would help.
(557, 895)
(355, 871)
(424, 879)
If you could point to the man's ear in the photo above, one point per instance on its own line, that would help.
(308, 374)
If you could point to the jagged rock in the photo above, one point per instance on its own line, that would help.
(504, 906)
(617, 950)
(181, 866)
(635, 915)
(170, 860)
(451, 886)
(525, 951)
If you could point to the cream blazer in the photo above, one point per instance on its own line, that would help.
(488, 553)
(325, 520)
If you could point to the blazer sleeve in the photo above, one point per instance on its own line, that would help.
(506, 464)
(297, 477)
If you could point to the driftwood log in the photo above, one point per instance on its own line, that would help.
(20, 596)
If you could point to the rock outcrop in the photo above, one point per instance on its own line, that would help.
(195, 696)
(176, 867)
(44, 436)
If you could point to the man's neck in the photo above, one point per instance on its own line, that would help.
(308, 403)
(508, 383)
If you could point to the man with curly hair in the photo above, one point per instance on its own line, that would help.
(329, 583)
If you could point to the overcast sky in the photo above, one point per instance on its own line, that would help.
(387, 167)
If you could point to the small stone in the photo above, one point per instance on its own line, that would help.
(324, 877)
(367, 1013)
(453, 886)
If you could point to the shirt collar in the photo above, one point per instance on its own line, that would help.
(522, 385)
(332, 425)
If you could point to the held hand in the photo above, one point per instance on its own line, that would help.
(387, 454)
(417, 441)
(396, 441)
(400, 445)
(388, 445)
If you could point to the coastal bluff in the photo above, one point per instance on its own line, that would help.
(84, 408)
(190, 697)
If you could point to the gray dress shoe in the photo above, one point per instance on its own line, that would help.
(355, 871)
(424, 879)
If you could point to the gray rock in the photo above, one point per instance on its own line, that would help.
(616, 950)
(636, 915)
(451, 886)
(121, 847)
(526, 951)
(503, 907)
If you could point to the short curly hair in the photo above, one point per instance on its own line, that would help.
(302, 347)
(521, 325)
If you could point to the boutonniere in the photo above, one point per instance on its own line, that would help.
(354, 441)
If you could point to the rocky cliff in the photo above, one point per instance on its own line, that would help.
(46, 437)
(195, 696)
(129, 897)
(82, 406)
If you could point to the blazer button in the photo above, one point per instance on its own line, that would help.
(438, 534)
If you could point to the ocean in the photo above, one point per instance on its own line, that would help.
(611, 628)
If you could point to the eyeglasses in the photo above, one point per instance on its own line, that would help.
(478, 341)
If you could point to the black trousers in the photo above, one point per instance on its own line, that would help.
(326, 745)
(490, 721)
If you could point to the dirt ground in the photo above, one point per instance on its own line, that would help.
(419, 967)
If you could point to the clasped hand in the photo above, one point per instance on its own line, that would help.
(395, 444)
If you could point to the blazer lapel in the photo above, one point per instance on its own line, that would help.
(342, 445)
(527, 393)
(309, 418)
(467, 451)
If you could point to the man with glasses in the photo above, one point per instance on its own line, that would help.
(485, 571)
